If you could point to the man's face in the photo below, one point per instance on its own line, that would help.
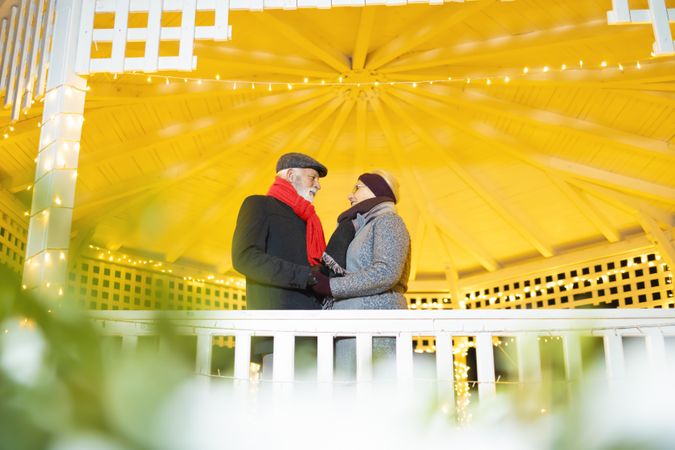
(305, 182)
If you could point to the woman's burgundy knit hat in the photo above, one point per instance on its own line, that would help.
(378, 185)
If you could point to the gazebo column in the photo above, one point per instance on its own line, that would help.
(51, 213)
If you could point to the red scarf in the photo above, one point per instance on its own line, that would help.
(284, 191)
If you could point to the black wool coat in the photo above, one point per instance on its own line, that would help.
(269, 248)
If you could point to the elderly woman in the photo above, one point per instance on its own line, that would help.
(369, 260)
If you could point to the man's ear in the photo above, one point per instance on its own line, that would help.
(289, 174)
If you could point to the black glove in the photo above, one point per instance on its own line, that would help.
(322, 285)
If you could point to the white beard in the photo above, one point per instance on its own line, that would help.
(306, 193)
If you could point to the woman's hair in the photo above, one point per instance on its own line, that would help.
(392, 182)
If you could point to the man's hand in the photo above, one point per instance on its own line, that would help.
(322, 285)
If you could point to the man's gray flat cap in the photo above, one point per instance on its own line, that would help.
(300, 161)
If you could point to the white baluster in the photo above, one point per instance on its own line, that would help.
(614, 360)
(656, 352)
(324, 358)
(485, 365)
(445, 368)
(284, 357)
(242, 355)
(204, 351)
(129, 344)
(529, 360)
(404, 357)
(364, 358)
(572, 354)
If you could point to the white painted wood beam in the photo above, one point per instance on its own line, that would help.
(360, 155)
(363, 37)
(512, 217)
(307, 41)
(437, 22)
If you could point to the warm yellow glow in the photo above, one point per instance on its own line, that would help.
(526, 69)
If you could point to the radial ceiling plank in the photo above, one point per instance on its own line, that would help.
(178, 246)
(366, 23)
(335, 129)
(208, 123)
(511, 217)
(512, 147)
(361, 135)
(312, 44)
(431, 214)
(547, 120)
(147, 184)
(503, 47)
(437, 22)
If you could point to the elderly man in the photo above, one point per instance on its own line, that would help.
(279, 237)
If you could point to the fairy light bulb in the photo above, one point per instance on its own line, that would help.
(114, 76)
(621, 67)
(252, 85)
(323, 82)
(218, 76)
(563, 67)
(149, 79)
(234, 86)
(340, 79)
(603, 64)
(166, 81)
(526, 69)
(269, 87)
(414, 84)
(306, 80)
(507, 79)
(290, 86)
(199, 81)
(546, 69)
(488, 82)
(581, 63)
(638, 65)
(468, 81)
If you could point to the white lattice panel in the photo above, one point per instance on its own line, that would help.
(152, 34)
(658, 15)
(25, 38)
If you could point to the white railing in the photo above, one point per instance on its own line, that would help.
(654, 325)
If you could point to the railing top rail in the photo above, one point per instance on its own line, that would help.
(633, 321)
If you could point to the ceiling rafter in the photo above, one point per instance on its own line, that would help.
(335, 129)
(179, 245)
(176, 134)
(512, 218)
(149, 183)
(510, 146)
(366, 23)
(547, 120)
(423, 201)
(437, 22)
(313, 44)
(500, 46)
(361, 134)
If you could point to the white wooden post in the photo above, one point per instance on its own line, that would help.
(284, 357)
(242, 355)
(485, 365)
(529, 360)
(204, 351)
(404, 357)
(56, 172)
(445, 368)
(614, 360)
(129, 343)
(572, 355)
(364, 358)
(324, 358)
(656, 352)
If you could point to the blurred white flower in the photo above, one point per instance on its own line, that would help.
(22, 348)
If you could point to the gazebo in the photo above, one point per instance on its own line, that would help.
(534, 143)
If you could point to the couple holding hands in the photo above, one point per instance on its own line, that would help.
(279, 246)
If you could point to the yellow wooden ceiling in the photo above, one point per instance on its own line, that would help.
(492, 174)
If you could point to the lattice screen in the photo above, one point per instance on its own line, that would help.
(639, 280)
(148, 24)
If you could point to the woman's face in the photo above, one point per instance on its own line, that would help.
(360, 192)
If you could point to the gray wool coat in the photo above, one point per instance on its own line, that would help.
(378, 263)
